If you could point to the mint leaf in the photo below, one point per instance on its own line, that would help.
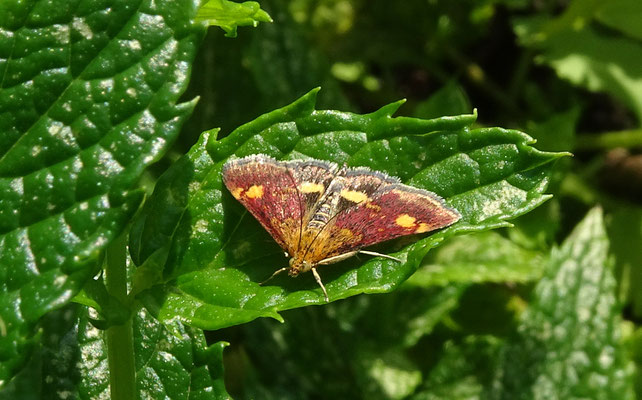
(569, 343)
(229, 15)
(88, 101)
(212, 254)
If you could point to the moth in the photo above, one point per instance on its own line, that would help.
(320, 213)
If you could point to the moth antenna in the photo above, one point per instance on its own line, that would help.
(278, 271)
(318, 279)
(372, 253)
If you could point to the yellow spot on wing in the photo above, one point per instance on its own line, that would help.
(354, 196)
(237, 193)
(423, 227)
(311, 187)
(373, 206)
(255, 192)
(346, 232)
(405, 221)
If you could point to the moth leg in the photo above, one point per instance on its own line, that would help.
(278, 271)
(334, 259)
(372, 253)
(318, 279)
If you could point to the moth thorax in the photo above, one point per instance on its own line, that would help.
(298, 265)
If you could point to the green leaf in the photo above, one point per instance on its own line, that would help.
(88, 101)
(172, 362)
(485, 257)
(229, 15)
(569, 343)
(213, 255)
(587, 58)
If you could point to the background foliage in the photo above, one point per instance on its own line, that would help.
(95, 113)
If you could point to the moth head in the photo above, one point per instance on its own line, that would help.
(298, 265)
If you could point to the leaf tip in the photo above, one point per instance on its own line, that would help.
(308, 100)
(389, 109)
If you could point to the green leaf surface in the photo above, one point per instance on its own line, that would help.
(230, 15)
(569, 344)
(172, 362)
(88, 100)
(213, 254)
(484, 257)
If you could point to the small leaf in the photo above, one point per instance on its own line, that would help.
(229, 15)
(88, 101)
(569, 343)
(213, 254)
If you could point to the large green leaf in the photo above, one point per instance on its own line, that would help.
(89, 99)
(569, 343)
(212, 254)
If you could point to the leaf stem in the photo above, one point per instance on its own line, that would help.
(120, 338)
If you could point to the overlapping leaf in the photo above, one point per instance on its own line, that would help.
(88, 100)
(212, 255)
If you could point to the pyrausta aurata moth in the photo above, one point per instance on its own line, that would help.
(320, 213)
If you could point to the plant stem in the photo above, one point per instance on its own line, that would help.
(120, 339)
(609, 140)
